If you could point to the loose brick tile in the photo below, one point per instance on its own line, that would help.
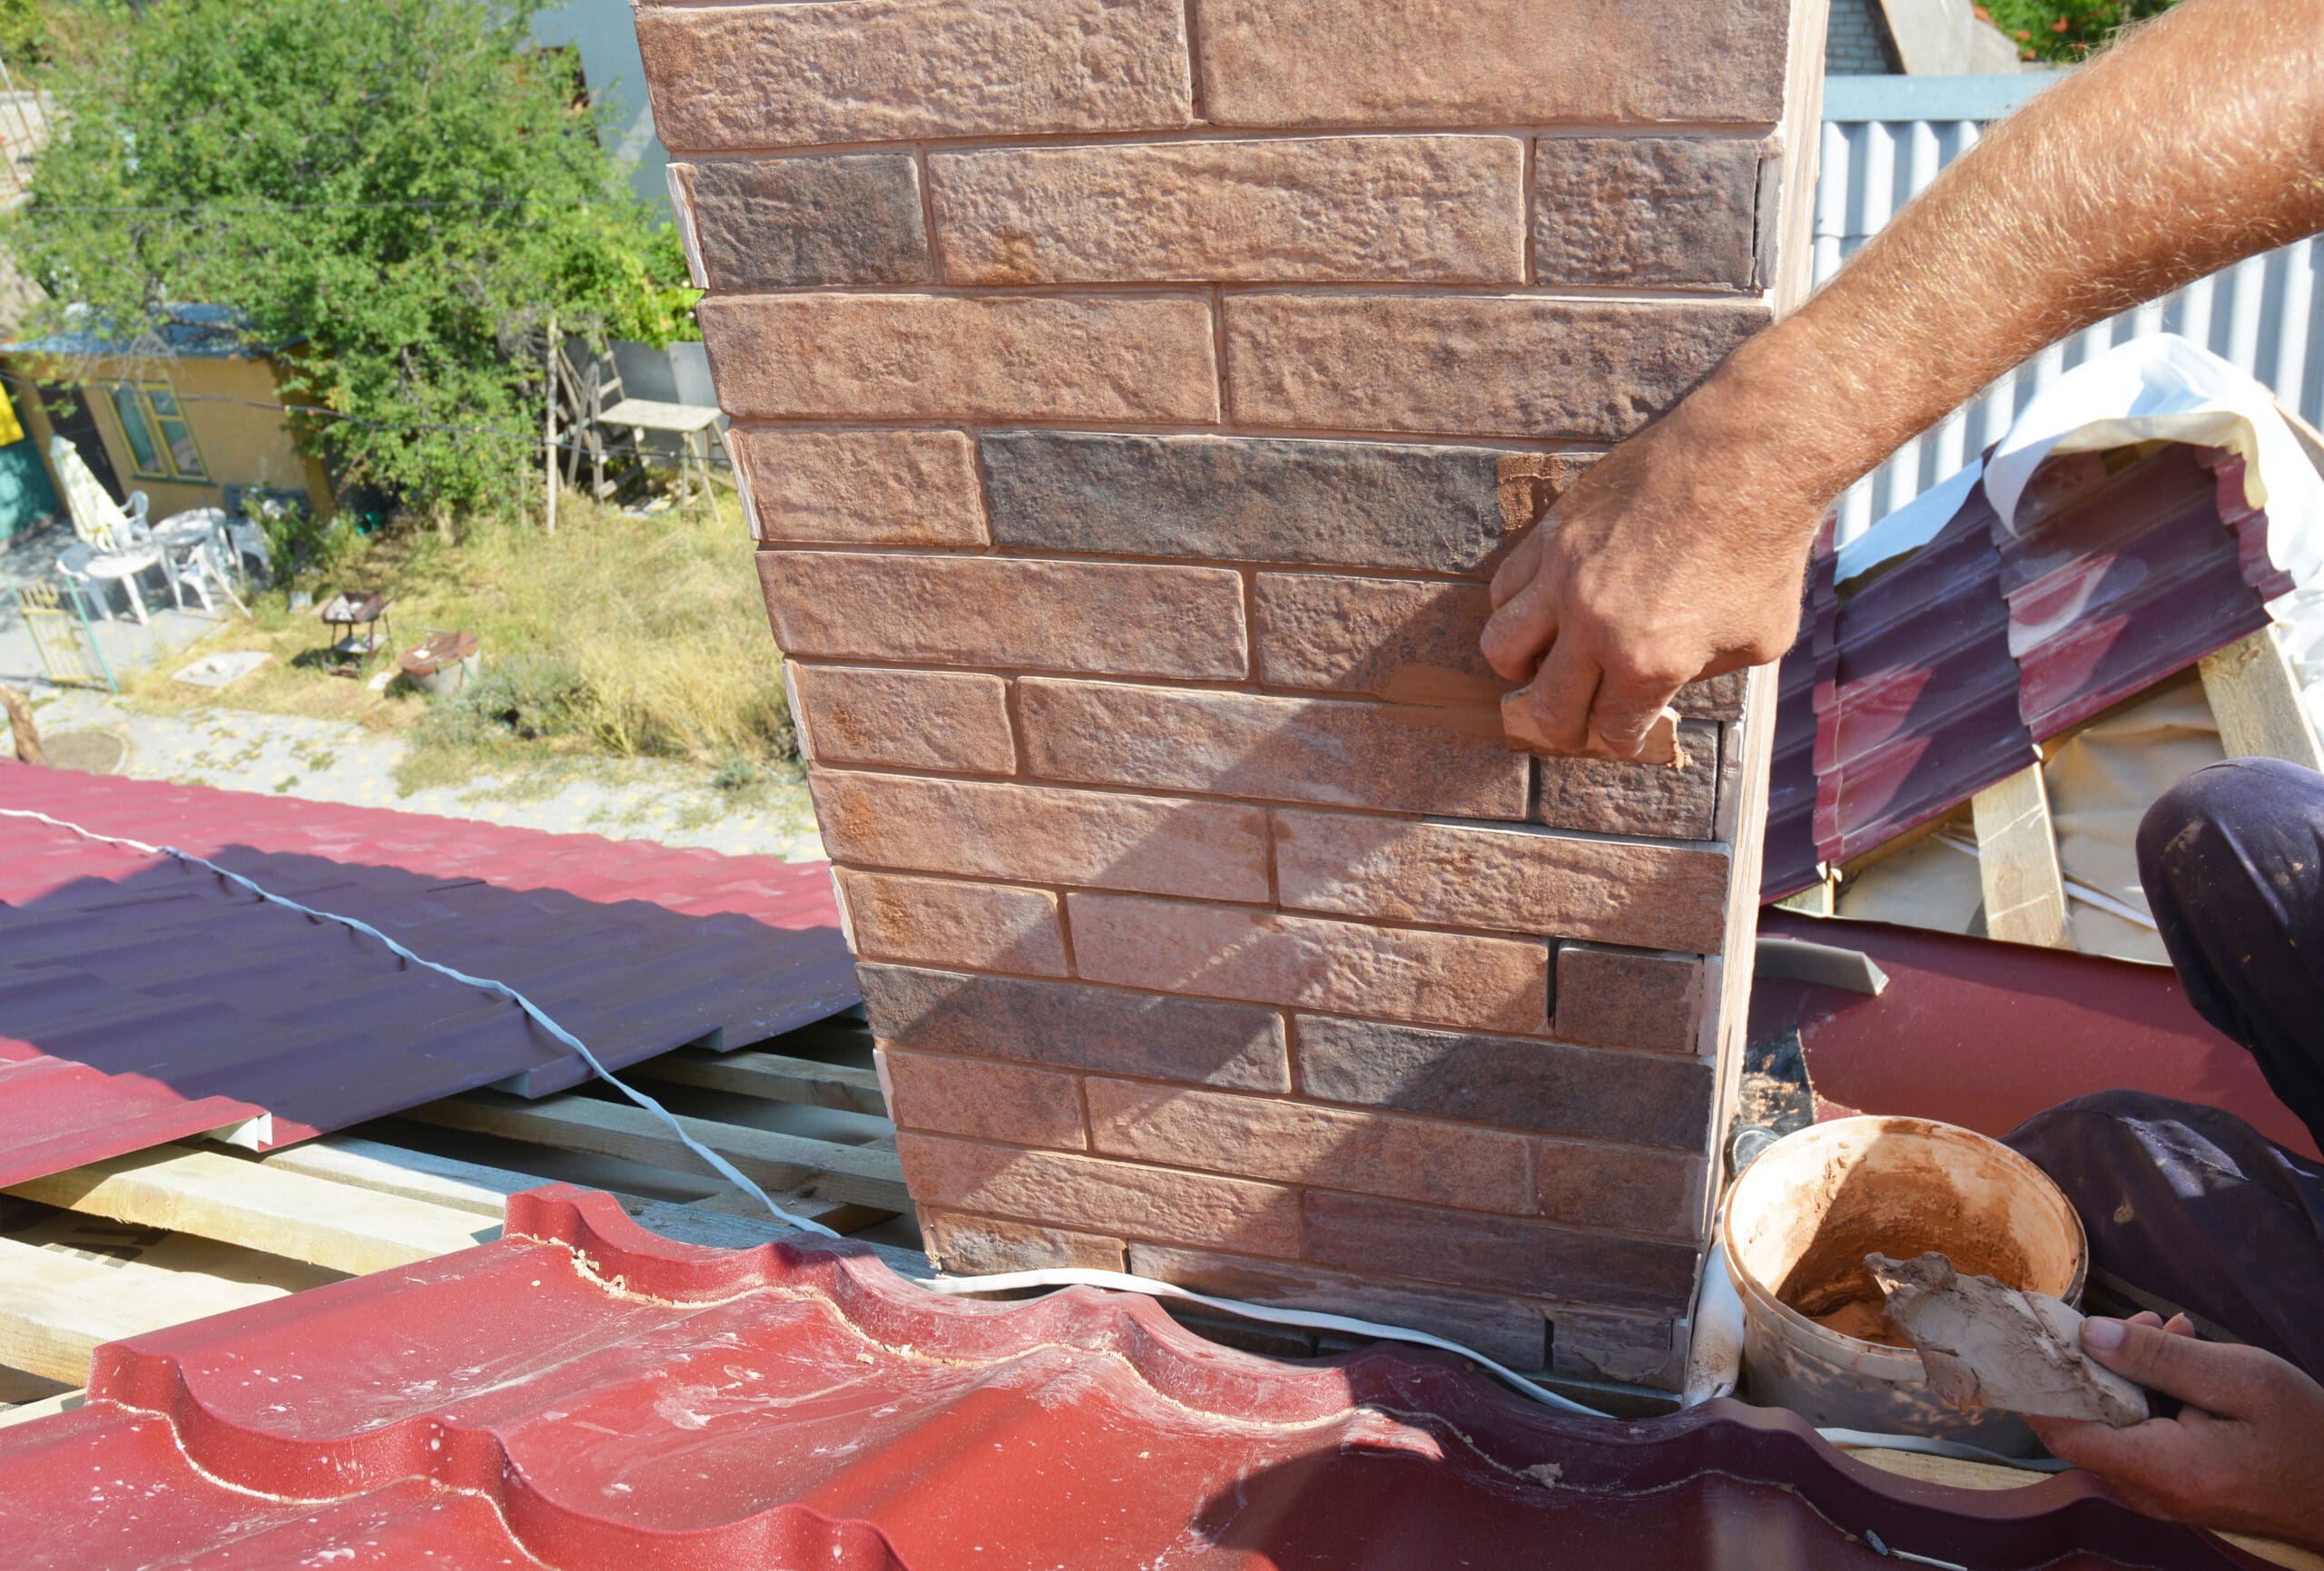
(1631, 1350)
(1068, 1026)
(1714, 698)
(941, 720)
(1615, 797)
(1648, 211)
(1630, 998)
(1086, 1193)
(939, 922)
(1343, 209)
(1115, 618)
(1510, 1331)
(1648, 1191)
(982, 1100)
(964, 1245)
(1295, 1142)
(1265, 956)
(783, 223)
(1513, 880)
(1351, 754)
(985, 830)
(1530, 482)
(1507, 1253)
(861, 487)
(750, 77)
(961, 358)
(1505, 365)
(1532, 62)
(1540, 1086)
(1242, 498)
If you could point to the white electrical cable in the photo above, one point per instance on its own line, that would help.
(725, 1168)
(1006, 1281)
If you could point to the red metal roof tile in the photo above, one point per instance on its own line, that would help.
(144, 1000)
(583, 1396)
(1939, 676)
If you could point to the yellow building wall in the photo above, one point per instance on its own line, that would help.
(233, 407)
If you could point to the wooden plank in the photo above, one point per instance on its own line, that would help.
(56, 1308)
(2017, 862)
(45, 1407)
(719, 1230)
(770, 1077)
(817, 1167)
(839, 1215)
(209, 1195)
(387, 1168)
(2256, 701)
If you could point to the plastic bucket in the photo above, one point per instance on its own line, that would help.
(1799, 1222)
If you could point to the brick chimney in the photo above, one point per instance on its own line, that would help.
(1131, 399)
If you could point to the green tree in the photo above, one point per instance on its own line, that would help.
(2062, 32)
(396, 195)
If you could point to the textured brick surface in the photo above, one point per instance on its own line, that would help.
(947, 356)
(940, 719)
(1366, 503)
(988, 830)
(1511, 1254)
(1281, 749)
(741, 76)
(1102, 1196)
(1508, 1329)
(862, 488)
(938, 921)
(1350, 967)
(782, 224)
(982, 1100)
(1613, 797)
(1586, 370)
(1629, 998)
(1261, 1137)
(1070, 1026)
(1654, 211)
(964, 1245)
(1363, 62)
(1356, 209)
(1513, 880)
(1599, 1186)
(1634, 1350)
(1539, 1085)
(1121, 619)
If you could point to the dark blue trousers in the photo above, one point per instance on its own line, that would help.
(2187, 1207)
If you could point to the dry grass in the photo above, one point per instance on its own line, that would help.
(621, 636)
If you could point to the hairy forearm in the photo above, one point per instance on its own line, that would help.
(2196, 142)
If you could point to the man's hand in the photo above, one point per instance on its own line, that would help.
(2245, 1454)
(1668, 560)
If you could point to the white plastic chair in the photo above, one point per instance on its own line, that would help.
(103, 524)
(196, 566)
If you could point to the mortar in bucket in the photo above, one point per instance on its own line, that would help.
(1802, 1216)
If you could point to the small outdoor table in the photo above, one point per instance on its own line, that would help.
(352, 609)
(693, 425)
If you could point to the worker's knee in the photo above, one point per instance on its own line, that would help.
(2188, 840)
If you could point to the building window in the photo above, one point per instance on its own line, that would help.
(153, 429)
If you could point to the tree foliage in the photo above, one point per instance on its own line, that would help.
(2062, 32)
(396, 195)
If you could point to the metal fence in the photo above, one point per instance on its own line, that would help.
(1887, 137)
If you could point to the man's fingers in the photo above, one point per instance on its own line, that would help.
(1519, 569)
(1627, 709)
(1519, 633)
(2213, 1376)
(2137, 1458)
(1563, 696)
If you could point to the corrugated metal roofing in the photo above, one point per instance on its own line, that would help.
(583, 1396)
(144, 1000)
(1922, 685)
(1886, 138)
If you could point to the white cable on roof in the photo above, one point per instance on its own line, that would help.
(1006, 1281)
(725, 1168)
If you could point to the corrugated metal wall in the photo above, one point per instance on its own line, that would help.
(1885, 138)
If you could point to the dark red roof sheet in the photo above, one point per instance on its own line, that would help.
(585, 1396)
(142, 1000)
(1940, 676)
